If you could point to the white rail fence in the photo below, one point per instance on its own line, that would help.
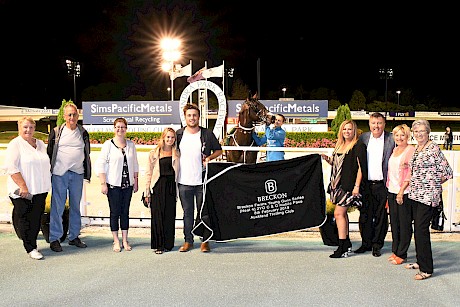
(95, 210)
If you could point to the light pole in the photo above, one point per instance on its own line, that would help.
(386, 73)
(398, 92)
(284, 92)
(73, 69)
(171, 54)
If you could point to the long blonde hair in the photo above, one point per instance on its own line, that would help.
(341, 146)
(161, 142)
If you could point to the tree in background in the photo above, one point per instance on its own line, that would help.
(300, 92)
(358, 101)
(239, 90)
(334, 105)
(343, 113)
(323, 93)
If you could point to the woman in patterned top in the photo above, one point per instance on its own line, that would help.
(430, 169)
(118, 170)
(349, 167)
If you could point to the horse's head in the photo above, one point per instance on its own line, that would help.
(258, 112)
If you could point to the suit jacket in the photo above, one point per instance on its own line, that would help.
(388, 146)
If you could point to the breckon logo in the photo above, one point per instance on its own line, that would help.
(270, 186)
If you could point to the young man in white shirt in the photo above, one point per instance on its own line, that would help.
(197, 147)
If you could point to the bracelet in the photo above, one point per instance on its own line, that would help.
(357, 186)
(102, 183)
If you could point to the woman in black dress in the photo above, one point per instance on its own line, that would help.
(349, 167)
(162, 171)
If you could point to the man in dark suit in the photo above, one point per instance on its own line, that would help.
(373, 218)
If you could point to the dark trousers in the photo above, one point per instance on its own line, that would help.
(448, 145)
(119, 201)
(422, 220)
(373, 217)
(401, 225)
(29, 215)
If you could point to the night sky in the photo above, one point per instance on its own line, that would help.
(321, 45)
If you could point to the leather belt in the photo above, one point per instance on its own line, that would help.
(376, 181)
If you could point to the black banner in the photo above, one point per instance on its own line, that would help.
(250, 200)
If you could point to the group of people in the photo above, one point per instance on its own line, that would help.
(175, 168)
(377, 171)
(380, 172)
(35, 168)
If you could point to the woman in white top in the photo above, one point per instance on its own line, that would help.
(398, 188)
(118, 169)
(29, 182)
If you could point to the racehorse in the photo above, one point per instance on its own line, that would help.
(252, 113)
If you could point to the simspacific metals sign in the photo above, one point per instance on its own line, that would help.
(135, 112)
(290, 109)
(168, 112)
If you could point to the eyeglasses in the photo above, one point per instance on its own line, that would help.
(120, 127)
(72, 114)
(420, 132)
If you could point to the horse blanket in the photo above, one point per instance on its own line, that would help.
(251, 200)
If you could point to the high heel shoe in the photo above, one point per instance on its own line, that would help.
(347, 245)
(342, 251)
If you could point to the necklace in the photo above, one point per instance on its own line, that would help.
(419, 149)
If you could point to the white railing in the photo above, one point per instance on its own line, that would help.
(94, 205)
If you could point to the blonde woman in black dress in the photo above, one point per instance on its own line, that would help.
(161, 191)
(349, 167)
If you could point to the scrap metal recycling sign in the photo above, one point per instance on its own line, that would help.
(250, 200)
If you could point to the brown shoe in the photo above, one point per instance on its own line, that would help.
(205, 247)
(186, 247)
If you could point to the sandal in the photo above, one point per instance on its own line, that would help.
(391, 257)
(412, 266)
(397, 260)
(116, 247)
(127, 247)
(422, 276)
(158, 252)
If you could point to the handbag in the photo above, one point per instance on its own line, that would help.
(146, 204)
(344, 198)
(437, 220)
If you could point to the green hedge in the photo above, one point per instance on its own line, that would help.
(309, 136)
(146, 138)
(153, 137)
